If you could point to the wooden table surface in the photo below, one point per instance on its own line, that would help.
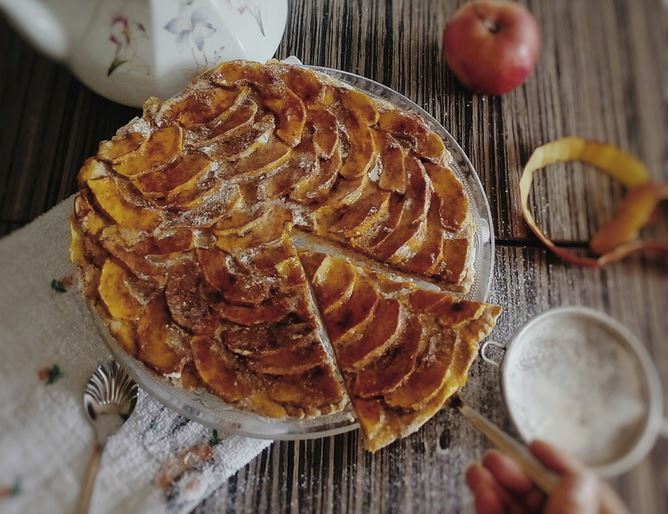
(602, 74)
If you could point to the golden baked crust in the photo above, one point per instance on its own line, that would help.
(183, 233)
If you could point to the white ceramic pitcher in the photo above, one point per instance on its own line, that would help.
(128, 50)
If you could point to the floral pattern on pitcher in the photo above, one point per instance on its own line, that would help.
(249, 6)
(124, 34)
(192, 28)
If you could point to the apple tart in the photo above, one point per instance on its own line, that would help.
(195, 232)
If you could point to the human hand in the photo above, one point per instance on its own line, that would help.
(500, 486)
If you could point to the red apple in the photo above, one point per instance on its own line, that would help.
(492, 46)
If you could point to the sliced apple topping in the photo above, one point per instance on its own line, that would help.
(243, 142)
(189, 307)
(115, 293)
(380, 334)
(120, 146)
(411, 128)
(360, 105)
(233, 73)
(235, 121)
(197, 106)
(387, 225)
(267, 339)
(92, 168)
(363, 214)
(333, 282)
(453, 200)
(161, 344)
(352, 316)
(274, 310)
(303, 83)
(183, 173)
(388, 372)
(429, 377)
(362, 152)
(393, 176)
(271, 228)
(315, 187)
(108, 196)
(290, 114)
(311, 392)
(412, 221)
(326, 135)
(266, 158)
(124, 332)
(90, 221)
(289, 361)
(429, 255)
(219, 369)
(238, 285)
(162, 147)
(455, 254)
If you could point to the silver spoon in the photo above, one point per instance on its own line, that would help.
(109, 398)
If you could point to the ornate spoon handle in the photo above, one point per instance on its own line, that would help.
(84, 501)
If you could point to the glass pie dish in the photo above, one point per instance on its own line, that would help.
(212, 411)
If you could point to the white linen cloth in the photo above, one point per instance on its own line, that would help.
(158, 462)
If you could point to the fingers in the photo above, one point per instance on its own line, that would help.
(554, 458)
(576, 493)
(487, 499)
(512, 477)
(506, 471)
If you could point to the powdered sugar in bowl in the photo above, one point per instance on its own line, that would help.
(579, 379)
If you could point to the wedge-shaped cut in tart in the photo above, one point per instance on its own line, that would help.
(414, 353)
(187, 223)
(162, 147)
(112, 202)
(411, 128)
(451, 195)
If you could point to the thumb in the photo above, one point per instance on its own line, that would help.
(576, 493)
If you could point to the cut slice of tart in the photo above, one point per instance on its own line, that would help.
(410, 349)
